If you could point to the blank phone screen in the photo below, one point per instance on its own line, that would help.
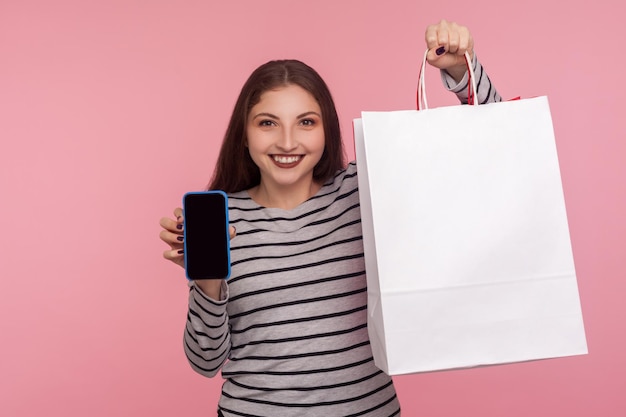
(207, 241)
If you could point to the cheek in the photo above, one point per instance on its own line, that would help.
(254, 152)
(321, 142)
(257, 149)
(253, 141)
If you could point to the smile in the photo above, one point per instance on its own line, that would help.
(286, 159)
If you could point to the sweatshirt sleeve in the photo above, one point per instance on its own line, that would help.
(486, 92)
(207, 334)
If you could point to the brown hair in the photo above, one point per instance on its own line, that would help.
(235, 170)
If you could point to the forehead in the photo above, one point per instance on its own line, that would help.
(286, 98)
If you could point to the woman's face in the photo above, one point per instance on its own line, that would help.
(286, 138)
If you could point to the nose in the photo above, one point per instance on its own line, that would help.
(287, 141)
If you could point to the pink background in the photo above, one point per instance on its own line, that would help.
(111, 110)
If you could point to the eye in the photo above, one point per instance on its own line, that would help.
(307, 122)
(266, 123)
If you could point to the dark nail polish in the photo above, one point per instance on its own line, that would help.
(181, 251)
(180, 238)
(440, 50)
(179, 226)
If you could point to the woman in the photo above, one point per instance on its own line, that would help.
(289, 328)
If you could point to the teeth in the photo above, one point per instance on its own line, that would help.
(286, 159)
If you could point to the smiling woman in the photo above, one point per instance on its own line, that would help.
(235, 169)
(288, 330)
(286, 141)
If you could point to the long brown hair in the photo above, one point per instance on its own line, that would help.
(235, 170)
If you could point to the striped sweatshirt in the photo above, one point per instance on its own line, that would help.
(289, 333)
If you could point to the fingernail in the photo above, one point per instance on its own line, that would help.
(179, 226)
(181, 251)
(180, 238)
(440, 50)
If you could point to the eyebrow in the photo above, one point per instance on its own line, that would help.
(300, 116)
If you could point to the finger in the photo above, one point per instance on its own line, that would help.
(438, 41)
(467, 43)
(443, 34)
(175, 240)
(178, 213)
(431, 37)
(171, 225)
(176, 255)
(464, 41)
(437, 35)
(453, 40)
(232, 231)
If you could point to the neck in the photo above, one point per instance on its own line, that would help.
(286, 198)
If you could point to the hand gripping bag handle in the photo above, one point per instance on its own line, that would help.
(422, 102)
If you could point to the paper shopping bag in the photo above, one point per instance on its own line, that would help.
(467, 246)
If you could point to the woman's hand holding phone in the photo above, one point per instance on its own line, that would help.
(172, 234)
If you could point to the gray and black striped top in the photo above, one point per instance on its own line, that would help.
(290, 333)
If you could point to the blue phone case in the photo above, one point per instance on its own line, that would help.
(226, 231)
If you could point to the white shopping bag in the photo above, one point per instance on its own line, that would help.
(467, 246)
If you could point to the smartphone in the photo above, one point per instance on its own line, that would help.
(206, 235)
